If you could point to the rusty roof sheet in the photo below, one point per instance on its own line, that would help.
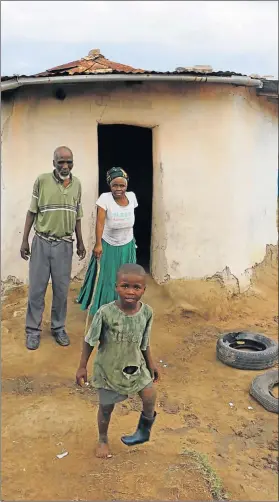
(94, 63)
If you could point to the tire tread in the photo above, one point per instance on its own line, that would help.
(261, 388)
(247, 360)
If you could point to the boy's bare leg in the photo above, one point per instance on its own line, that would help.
(148, 397)
(104, 414)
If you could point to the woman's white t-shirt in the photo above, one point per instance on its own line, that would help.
(120, 220)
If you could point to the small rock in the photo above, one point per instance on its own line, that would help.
(17, 313)
(62, 455)
(231, 405)
(250, 408)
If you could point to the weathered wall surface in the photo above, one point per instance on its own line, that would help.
(215, 169)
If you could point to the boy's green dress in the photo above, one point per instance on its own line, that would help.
(121, 339)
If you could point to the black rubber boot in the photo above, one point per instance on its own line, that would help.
(142, 433)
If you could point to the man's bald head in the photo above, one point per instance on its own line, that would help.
(61, 151)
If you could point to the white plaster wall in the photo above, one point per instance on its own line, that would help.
(215, 168)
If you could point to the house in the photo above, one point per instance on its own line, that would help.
(200, 147)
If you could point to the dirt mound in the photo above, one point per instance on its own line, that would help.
(44, 414)
(219, 297)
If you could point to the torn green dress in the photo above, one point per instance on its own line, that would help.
(120, 339)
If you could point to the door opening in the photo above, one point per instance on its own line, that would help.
(130, 147)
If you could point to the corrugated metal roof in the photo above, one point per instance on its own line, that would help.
(95, 63)
(65, 72)
(269, 88)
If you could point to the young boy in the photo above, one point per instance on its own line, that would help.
(123, 365)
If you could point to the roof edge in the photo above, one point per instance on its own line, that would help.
(232, 80)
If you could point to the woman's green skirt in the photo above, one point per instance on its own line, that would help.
(113, 257)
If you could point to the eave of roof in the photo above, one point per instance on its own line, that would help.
(62, 73)
(96, 64)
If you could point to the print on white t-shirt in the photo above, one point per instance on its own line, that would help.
(120, 220)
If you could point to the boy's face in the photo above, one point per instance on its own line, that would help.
(130, 288)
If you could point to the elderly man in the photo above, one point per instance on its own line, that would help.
(56, 213)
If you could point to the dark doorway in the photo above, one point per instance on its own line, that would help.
(130, 147)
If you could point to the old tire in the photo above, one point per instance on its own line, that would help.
(231, 347)
(261, 389)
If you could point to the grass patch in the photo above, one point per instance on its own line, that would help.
(214, 482)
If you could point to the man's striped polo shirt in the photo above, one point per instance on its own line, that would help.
(57, 208)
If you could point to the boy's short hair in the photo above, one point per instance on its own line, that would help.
(131, 268)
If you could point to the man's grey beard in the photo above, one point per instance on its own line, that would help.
(64, 177)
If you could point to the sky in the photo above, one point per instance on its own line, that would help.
(237, 36)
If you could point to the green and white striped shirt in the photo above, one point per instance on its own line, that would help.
(57, 208)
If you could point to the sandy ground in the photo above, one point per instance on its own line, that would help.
(44, 414)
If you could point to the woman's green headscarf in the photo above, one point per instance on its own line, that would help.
(116, 172)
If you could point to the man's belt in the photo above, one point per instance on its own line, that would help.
(53, 238)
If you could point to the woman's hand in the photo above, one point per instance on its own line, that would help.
(97, 251)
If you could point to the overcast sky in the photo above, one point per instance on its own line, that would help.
(237, 36)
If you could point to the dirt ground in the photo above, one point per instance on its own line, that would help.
(44, 414)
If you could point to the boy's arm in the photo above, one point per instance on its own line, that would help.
(150, 364)
(91, 339)
(146, 351)
(81, 375)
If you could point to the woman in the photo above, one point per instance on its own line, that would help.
(115, 243)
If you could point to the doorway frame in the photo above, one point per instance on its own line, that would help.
(158, 261)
